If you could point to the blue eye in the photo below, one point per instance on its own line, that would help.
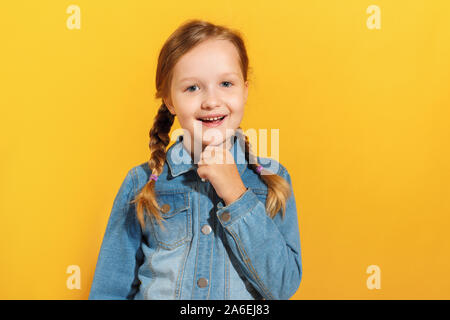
(190, 88)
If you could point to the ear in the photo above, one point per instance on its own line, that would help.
(168, 102)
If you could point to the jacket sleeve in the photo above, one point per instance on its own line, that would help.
(120, 253)
(268, 250)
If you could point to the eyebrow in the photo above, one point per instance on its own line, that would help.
(223, 74)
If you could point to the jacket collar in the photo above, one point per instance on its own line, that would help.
(180, 161)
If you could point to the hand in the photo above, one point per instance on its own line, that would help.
(217, 165)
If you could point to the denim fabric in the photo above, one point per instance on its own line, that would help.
(248, 256)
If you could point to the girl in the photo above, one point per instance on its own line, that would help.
(190, 225)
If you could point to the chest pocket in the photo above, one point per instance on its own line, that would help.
(177, 215)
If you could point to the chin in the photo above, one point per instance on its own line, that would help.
(213, 143)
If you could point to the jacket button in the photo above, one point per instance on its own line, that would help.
(202, 282)
(225, 216)
(206, 229)
(165, 208)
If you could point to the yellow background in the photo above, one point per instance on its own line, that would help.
(363, 118)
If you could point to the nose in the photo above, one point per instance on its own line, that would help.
(211, 99)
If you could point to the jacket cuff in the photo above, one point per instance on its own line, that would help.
(229, 214)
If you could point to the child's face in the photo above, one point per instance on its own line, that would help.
(209, 91)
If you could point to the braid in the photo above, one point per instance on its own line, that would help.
(159, 139)
(278, 189)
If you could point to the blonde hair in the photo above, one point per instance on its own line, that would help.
(187, 36)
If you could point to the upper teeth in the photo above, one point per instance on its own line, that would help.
(210, 119)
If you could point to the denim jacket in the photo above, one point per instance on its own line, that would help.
(206, 250)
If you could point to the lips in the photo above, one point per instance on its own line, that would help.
(213, 123)
(216, 115)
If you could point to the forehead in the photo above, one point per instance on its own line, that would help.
(211, 57)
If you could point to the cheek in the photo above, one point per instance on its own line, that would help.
(236, 120)
(183, 108)
(237, 103)
(187, 121)
(238, 110)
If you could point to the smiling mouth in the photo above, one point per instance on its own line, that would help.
(212, 122)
